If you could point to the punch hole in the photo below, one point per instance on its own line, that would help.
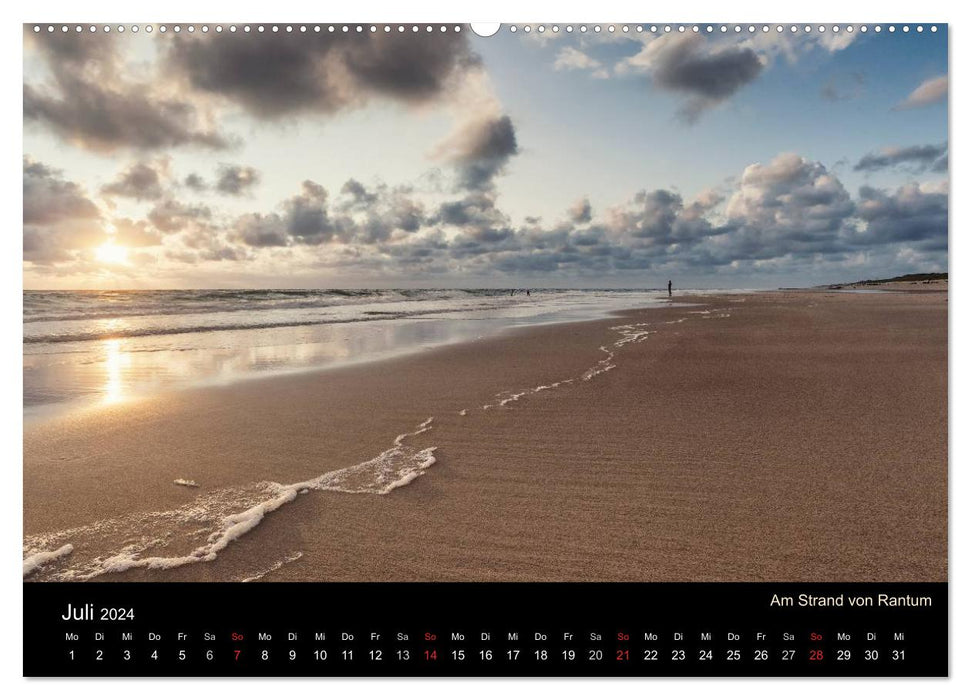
(483, 29)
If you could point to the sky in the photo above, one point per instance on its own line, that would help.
(444, 159)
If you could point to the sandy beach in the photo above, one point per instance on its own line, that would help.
(789, 436)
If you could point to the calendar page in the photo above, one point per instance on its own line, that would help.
(551, 349)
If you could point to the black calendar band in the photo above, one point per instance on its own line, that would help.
(485, 629)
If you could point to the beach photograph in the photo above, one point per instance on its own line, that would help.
(387, 303)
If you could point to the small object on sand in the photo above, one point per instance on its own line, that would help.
(186, 482)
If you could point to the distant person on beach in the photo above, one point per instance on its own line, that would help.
(669, 287)
(527, 292)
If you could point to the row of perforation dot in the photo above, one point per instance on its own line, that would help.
(723, 28)
(541, 28)
(303, 28)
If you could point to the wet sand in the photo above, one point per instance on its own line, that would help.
(791, 436)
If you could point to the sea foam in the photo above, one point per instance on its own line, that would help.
(39, 559)
(208, 524)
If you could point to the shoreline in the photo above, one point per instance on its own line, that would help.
(122, 370)
(646, 471)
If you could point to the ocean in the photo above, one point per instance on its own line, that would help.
(103, 347)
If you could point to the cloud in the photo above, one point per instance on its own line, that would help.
(260, 231)
(236, 179)
(481, 225)
(305, 220)
(273, 76)
(388, 213)
(705, 72)
(704, 203)
(656, 220)
(89, 103)
(570, 58)
(135, 234)
(844, 87)
(914, 214)
(916, 158)
(787, 214)
(58, 215)
(50, 199)
(195, 182)
(92, 101)
(171, 216)
(140, 181)
(931, 91)
(580, 212)
(358, 194)
(480, 149)
(790, 205)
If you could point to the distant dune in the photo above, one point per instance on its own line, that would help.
(937, 280)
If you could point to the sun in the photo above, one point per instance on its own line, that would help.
(111, 253)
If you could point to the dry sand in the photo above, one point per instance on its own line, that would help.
(791, 436)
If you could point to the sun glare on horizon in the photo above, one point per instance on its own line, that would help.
(111, 253)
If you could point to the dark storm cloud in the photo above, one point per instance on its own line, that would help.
(90, 104)
(236, 179)
(707, 75)
(272, 75)
(915, 158)
(140, 181)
